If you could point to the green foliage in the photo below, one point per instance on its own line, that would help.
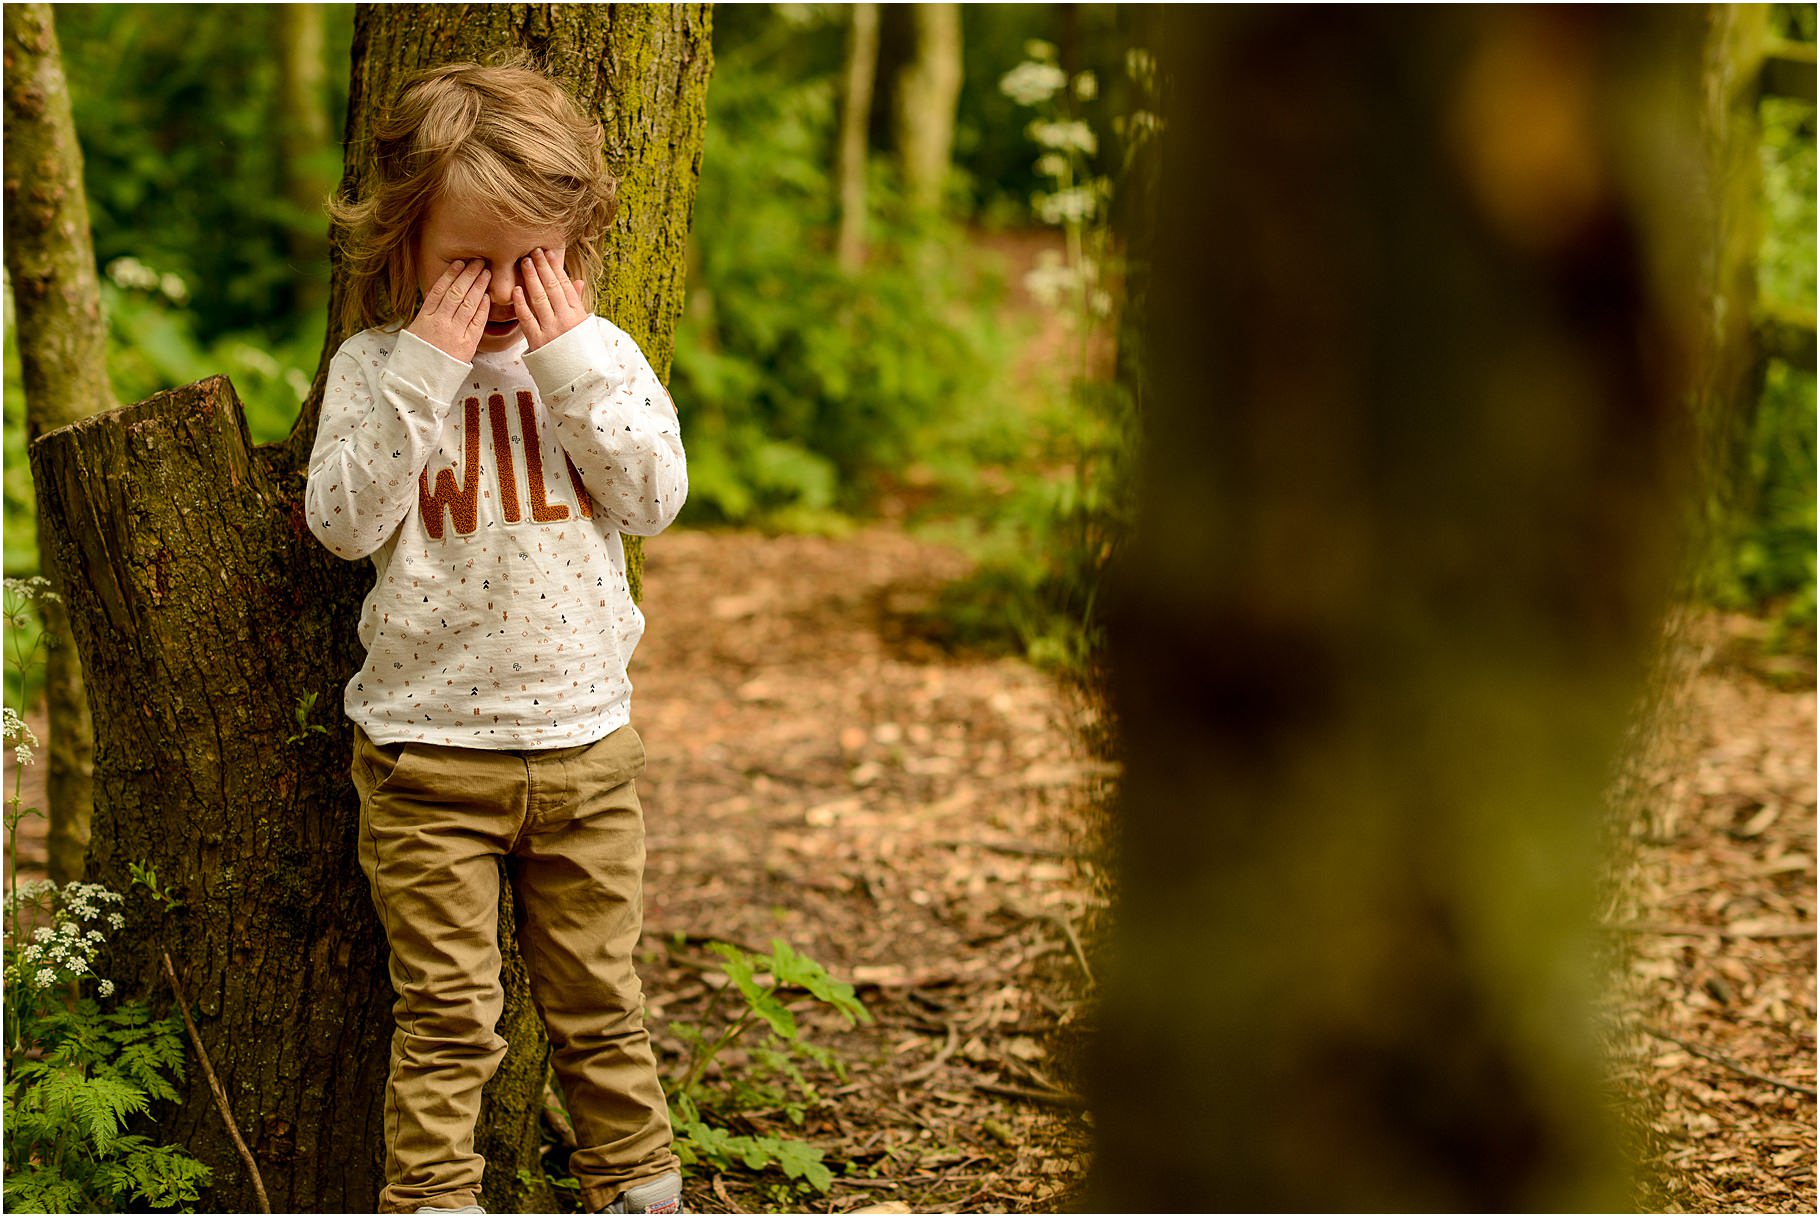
(1786, 265)
(152, 346)
(801, 382)
(301, 711)
(772, 1076)
(1766, 552)
(1044, 552)
(76, 1073)
(179, 112)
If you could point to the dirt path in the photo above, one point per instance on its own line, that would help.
(918, 822)
(1720, 923)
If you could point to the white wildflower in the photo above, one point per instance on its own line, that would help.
(35, 588)
(1140, 65)
(1030, 83)
(1036, 48)
(42, 933)
(45, 977)
(59, 951)
(174, 288)
(78, 966)
(1052, 164)
(1072, 206)
(1049, 279)
(69, 929)
(17, 729)
(1086, 86)
(1063, 136)
(93, 936)
(116, 920)
(30, 954)
(107, 988)
(131, 272)
(22, 754)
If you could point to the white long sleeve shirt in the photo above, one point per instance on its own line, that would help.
(490, 497)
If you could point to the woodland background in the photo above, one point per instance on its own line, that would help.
(206, 158)
(922, 464)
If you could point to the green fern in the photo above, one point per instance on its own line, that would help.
(76, 1078)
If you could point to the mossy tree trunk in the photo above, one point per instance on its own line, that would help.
(209, 614)
(62, 335)
(1419, 333)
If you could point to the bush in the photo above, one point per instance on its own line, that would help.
(803, 383)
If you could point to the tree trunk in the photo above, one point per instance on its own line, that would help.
(209, 613)
(50, 259)
(303, 134)
(928, 89)
(1418, 344)
(1731, 380)
(850, 158)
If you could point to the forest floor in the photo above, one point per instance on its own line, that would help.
(1717, 915)
(926, 823)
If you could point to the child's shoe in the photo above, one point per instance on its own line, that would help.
(662, 1195)
(466, 1208)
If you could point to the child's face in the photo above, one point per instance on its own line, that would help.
(455, 229)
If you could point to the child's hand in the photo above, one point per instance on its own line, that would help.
(548, 304)
(454, 313)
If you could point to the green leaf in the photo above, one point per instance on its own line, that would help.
(739, 971)
(773, 1012)
(801, 1160)
(802, 972)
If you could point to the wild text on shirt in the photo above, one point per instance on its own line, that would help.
(463, 501)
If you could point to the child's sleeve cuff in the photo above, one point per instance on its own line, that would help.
(430, 369)
(566, 358)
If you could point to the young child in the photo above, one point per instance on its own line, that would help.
(484, 440)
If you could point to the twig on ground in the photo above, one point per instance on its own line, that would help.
(1016, 847)
(720, 1190)
(1058, 1098)
(935, 1062)
(221, 1099)
(1073, 941)
(1734, 1066)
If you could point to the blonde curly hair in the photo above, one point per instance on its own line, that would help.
(505, 135)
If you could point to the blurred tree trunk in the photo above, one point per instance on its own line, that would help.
(303, 133)
(928, 89)
(50, 259)
(211, 616)
(850, 157)
(1419, 337)
(1731, 375)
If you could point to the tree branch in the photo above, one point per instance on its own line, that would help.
(221, 1099)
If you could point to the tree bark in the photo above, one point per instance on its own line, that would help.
(1418, 332)
(50, 259)
(928, 89)
(850, 158)
(210, 613)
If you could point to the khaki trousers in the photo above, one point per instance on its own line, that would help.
(434, 820)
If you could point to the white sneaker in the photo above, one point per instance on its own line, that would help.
(466, 1208)
(661, 1195)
